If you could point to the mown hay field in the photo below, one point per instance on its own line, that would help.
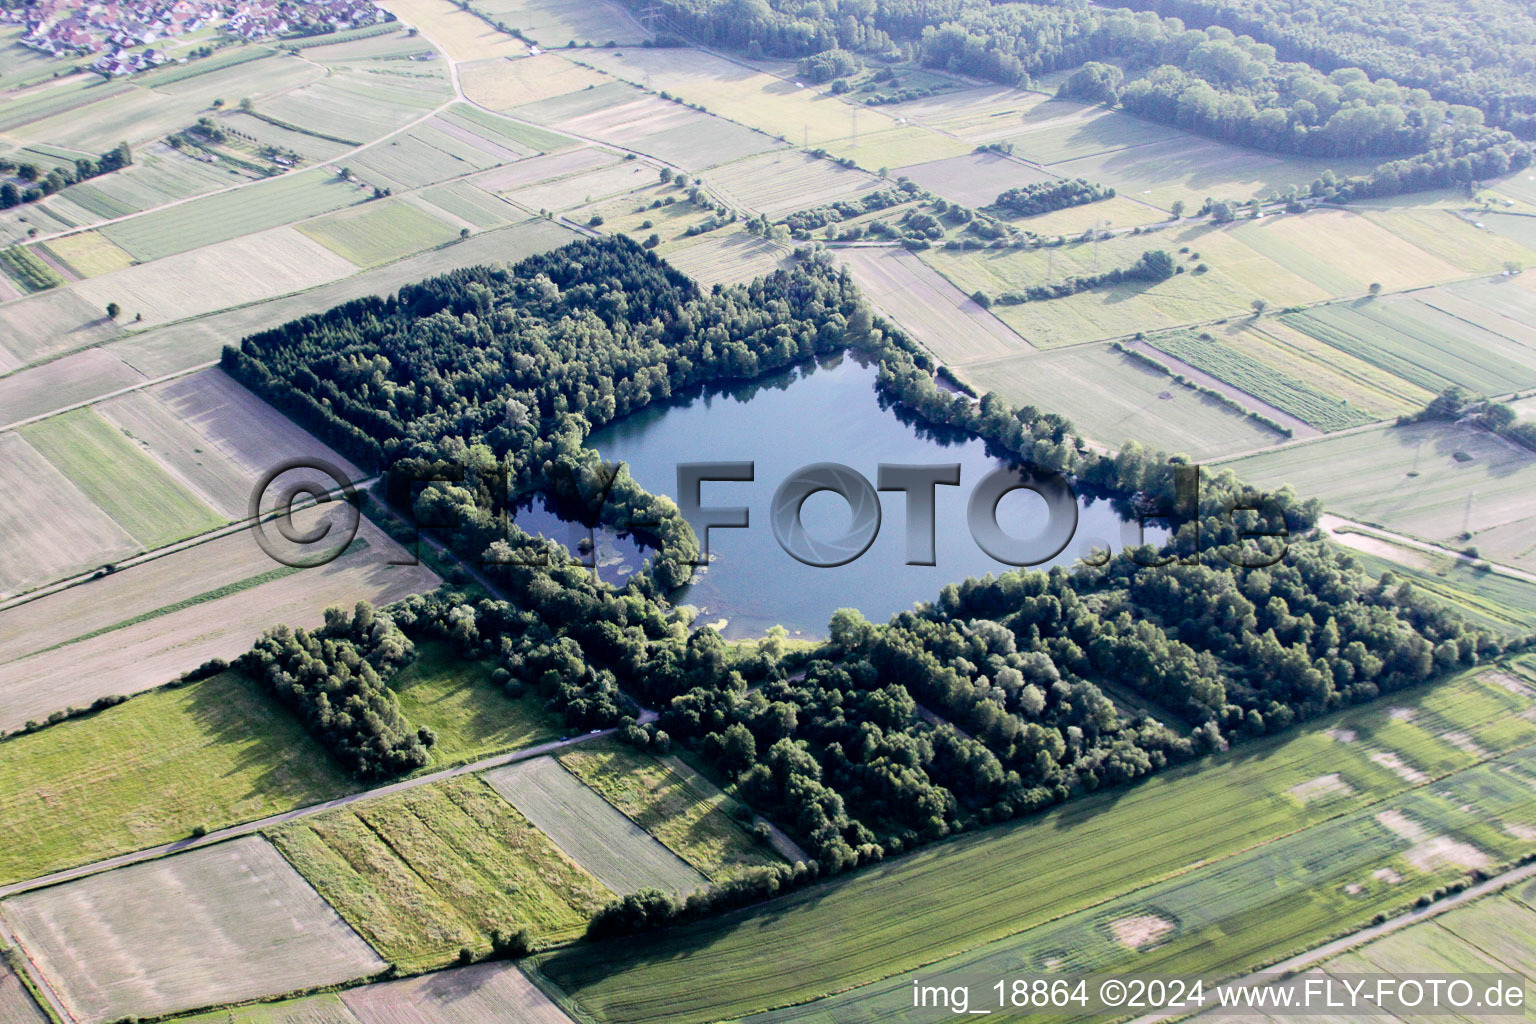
(591, 831)
(502, 84)
(16, 1003)
(218, 480)
(151, 505)
(728, 256)
(1344, 252)
(138, 650)
(211, 754)
(221, 924)
(1169, 831)
(425, 873)
(1111, 398)
(63, 382)
(379, 232)
(1432, 480)
(49, 324)
(946, 320)
(664, 129)
(89, 254)
(52, 528)
(469, 995)
(1455, 239)
(470, 714)
(685, 811)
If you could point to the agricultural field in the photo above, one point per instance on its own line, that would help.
(54, 529)
(215, 478)
(247, 269)
(321, 1009)
(472, 205)
(775, 184)
(427, 872)
(458, 33)
(680, 807)
(227, 215)
(1274, 387)
(151, 505)
(1235, 276)
(975, 179)
(557, 22)
(210, 754)
(504, 84)
(1455, 238)
(225, 923)
(88, 254)
(727, 256)
(156, 637)
(1448, 483)
(470, 714)
(53, 323)
(591, 831)
(947, 321)
(1334, 248)
(470, 995)
(1112, 398)
(62, 382)
(16, 1003)
(379, 232)
(1188, 845)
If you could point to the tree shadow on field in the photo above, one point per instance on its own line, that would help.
(280, 764)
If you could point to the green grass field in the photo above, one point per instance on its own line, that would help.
(1411, 479)
(219, 218)
(471, 716)
(31, 273)
(379, 232)
(89, 254)
(1265, 383)
(130, 487)
(1422, 344)
(149, 771)
(1207, 820)
(422, 874)
(672, 802)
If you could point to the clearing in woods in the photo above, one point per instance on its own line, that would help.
(214, 925)
(211, 754)
(471, 715)
(427, 872)
(671, 801)
(1062, 877)
(590, 830)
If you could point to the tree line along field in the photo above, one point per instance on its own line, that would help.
(1204, 830)
(165, 935)
(16, 1002)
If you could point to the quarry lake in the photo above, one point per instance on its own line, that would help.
(818, 413)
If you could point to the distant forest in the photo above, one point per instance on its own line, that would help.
(1448, 95)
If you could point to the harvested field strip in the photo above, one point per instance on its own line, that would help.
(218, 62)
(147, 772)
(28, 270)
(776, 183)
(213, 476)
(214, 925)
(544, 168)
(511, 133)
(1269, 385)
(988, 885)
(52, 530)
(322, 1009)
(63, 382)
(424, 873)
(16, 1003)
(671, 801)
(481, 994)
(122, 481)
(468, 203)
(725, 257)
(617, 852)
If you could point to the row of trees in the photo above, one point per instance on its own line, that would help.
(37, 183)
(1046, 196)
(1152, 266)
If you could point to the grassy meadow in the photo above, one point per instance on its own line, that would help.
(150, 771)
(425, 873)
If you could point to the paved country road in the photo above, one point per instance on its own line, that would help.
(249, 827)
